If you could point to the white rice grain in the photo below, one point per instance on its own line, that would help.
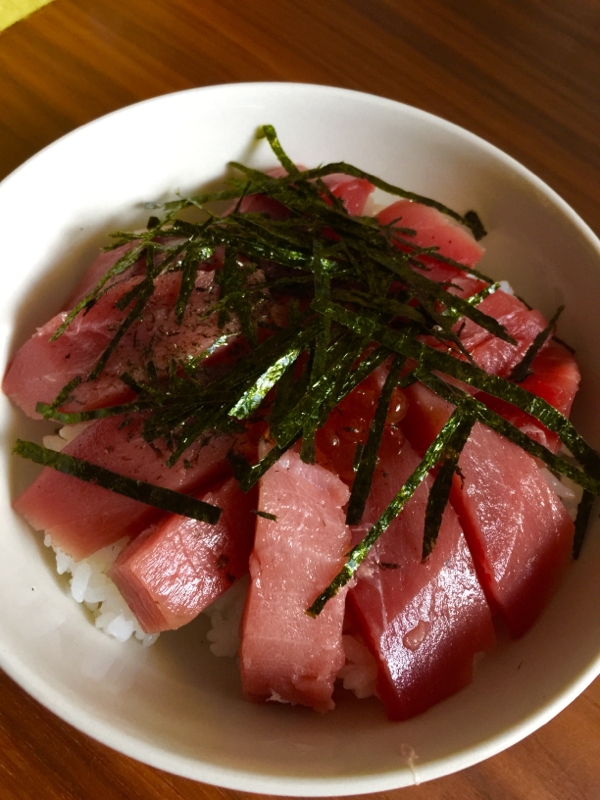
(225, 615)
(359, 673)
(91, 586)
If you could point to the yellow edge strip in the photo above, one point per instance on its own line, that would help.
(12, 11)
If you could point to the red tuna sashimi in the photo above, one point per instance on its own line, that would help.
(492, 354)
(555, 377)
(489, 352)
(354, 193)
(285, 654)
(174, 569)
(107, 259)
(519, 532)
(423, 621)
(433, 229)
(41, 368)
(98, 270)
(81, 517)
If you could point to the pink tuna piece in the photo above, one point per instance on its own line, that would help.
(492, 354)
(81, 517)
(422, 621)
(354, 192)
(433, 229)
(41, 368)
(554, 374)
(174, 569)
(261, 204)
(555, 377)
(519, 532)
(508, 509)
(285, 654)
(98, 270)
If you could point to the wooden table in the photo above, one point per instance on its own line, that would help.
(524, 74)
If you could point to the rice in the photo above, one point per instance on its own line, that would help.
(64, 436)
(568, 491)
(359, 673)
(91, 586)
(225, 615)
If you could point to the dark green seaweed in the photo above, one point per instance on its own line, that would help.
(165, 499)
(367, 456)
(440, 489)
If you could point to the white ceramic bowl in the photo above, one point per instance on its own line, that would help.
(175, 705)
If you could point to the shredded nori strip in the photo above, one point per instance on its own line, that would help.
(523, 368)
(157, 496)
(266, 515)
(431, 359)
(253, 397)
(440, 490)
(367, 459)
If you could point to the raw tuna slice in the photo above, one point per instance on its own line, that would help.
(174, 569)
(354, 192)
(107, 259)
(261, 204)
(434, 229)
(98, 270)
(423, 621)
(285, 654)
(519, 532)
(555, 377)
(41, 368)
(492, 354)
(81, 517)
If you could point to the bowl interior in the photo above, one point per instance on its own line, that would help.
(175, 705)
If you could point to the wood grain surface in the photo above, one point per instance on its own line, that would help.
(524, 74)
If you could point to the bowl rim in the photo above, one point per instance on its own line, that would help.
(253, 781)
